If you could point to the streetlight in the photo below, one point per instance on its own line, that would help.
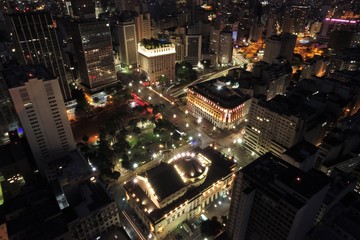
(186, 111)
(187, 125)
(149, 98)
(174, 116)
(199, 120)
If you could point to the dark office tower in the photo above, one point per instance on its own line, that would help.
(94, 54)
(83, 9)
(279, 46)
(193, 49)
(274, 200)
(143, 26)
(36, 42)
(126, 33)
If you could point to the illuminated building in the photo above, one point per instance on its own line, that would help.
(225, 48)
(193, 181)
(127, 43)
(41, 110)
(275, 125)
(157, 60)
(274, 200)
(94, 54)
(36, 42)
(221, 105)
(279, 46)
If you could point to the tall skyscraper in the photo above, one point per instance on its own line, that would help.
(127, 43)
(193, 49)
(94, 54)
(274, 125)
(41, 110)
(157, 61)
(225, 48)
(143, 26)
(274, 200)
(279, 46)
(36, 42)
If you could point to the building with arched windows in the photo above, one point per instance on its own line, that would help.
(179, 189)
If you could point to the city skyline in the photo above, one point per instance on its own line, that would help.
(180, 119)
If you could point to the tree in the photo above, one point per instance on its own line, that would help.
(83, 108)
(185, 71)
(85, 138)
(211, 227)
(137, 130)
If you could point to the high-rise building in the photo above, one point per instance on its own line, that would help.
(225, 48)
(41, 110)
(193, 49)
(157, 59)
(295, 18)
(214, 40)
(279, 46)
(256, 31)
(36, 42)
(94, 54)
(179, 48)
(272, 200)
(143, 26)
(127, 43)
(274, 125)
(271, 79)
(83, 9)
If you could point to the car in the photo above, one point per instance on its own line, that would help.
(194, 226)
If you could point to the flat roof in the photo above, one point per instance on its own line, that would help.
(301, 151)
(158, 174)
(220, 168)
(16, 76)
(217, 91)
(279, 179)
(289, 105)
(87, 197)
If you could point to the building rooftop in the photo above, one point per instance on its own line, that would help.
(86, 197)
(35, 213)
(154, 43)
(289, 105)
(282, 180)
(16, 76)
(157, 175)
(301, 151)
(218, 92)
(220, 168)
